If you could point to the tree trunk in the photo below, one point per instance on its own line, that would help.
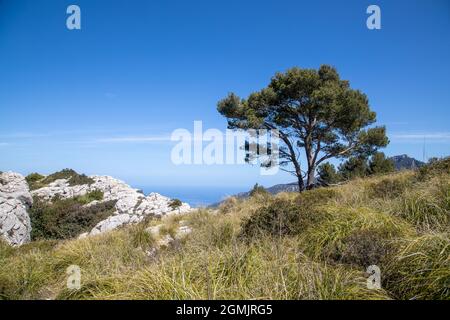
(310, 180)
(301, 186)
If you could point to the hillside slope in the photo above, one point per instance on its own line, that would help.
(316, 245)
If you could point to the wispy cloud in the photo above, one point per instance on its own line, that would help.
(4, 144)
(421, 136)
(23, 135)
(133, 139)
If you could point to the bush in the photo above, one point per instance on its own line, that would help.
(327, 174)
(435, 168)
(72, 176)
(362, 248)
(288, 217)
(175, 204)
(388, 188)
(258, 191)
(63, 219)
(33, 180)
(95, 195)
(379, 164)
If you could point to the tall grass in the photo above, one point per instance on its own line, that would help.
(399, 222)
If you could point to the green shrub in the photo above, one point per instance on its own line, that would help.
(435, 168)
(175, 204)
(361, 248)
(72, 176)
(95, 195)
(258, 191)
(288, 217)
(327, 174)
(34, 180)
(388, 188)
(63, 219)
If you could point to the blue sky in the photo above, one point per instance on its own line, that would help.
(105, 98)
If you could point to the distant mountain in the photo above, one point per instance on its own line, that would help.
(403, 162)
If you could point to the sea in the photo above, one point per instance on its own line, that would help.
(194, 196)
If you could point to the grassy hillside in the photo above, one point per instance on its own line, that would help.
(316, 245)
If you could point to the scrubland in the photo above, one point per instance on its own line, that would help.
(313, 245)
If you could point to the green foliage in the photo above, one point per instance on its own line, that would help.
(361, 248)
(361, 166)
(33, 180)
(354, 167)
(175, 204)
(313, 110)
(95, 195)
(287, 217)
(434, 168)
(37, 181)
(258, 190)
(327, 174)
(379, 164)
(64, 219)
(388, 187)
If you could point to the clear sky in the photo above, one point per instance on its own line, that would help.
(105, 98)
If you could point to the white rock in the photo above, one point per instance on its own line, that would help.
(111, 223)
(131, 206)
(165, 241)
(83, 235)
(183, 231)
(15, 199)
(154, 231)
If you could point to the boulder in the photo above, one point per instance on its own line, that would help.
(15, 200)
(131, 206)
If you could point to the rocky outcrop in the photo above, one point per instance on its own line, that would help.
(131, 206)
(15, 199)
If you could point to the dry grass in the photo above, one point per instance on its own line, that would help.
(400, 222)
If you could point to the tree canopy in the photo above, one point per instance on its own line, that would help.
(315, 112)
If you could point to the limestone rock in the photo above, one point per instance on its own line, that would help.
(154, 230)
(183, 231)
(15, 199)
(131, 206)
